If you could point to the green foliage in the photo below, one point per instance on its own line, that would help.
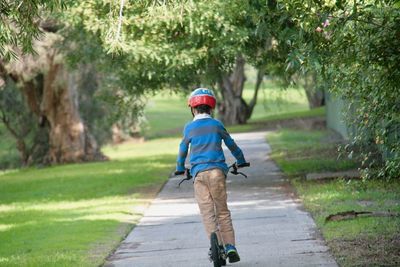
(353, 48)
(23, 126)
(19, 24)
(370, 81)
(9, 157)
(350, 46)
(175, 43)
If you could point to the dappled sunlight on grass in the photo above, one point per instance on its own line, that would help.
(6, 227)
(98, 205)
(121, 209)
(323, 196)
(165, 146)
(56, 216)
(25, 259)
(7, 172)
(84, 181)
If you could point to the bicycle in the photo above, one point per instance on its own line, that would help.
(217, 252)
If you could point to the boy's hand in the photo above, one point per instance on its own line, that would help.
(246, 164)
(179, 172)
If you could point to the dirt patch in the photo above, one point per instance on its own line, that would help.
(367, 251)
(366, 203)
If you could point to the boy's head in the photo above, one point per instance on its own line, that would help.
(202, 100)
(202, 109)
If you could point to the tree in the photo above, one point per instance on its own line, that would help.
(182, 44)
(353, 46)
(50, 90)
(68, 66)
(31, 140)
(20, 24)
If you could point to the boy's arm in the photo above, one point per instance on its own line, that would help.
(233, 147)
(183, 151)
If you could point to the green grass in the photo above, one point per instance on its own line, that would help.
(316, 112)
(262, 123)
(368, 241)
(74, 215)
(365, 241)
(299, 152)
(324, 198)
(273, 100)
(166, 114)
(161, 146)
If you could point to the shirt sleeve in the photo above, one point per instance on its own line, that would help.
(183, 151)
(232, 146)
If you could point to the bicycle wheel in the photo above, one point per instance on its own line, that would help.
(215, 250)
(222, 256)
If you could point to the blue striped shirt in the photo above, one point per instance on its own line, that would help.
(204, 135)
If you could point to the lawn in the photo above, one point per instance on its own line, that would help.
(74, 215)
(364, 241)
(298, 152)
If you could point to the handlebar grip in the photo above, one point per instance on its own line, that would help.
(179, 172)
(246, 164)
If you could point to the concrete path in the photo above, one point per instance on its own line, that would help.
(271, 229)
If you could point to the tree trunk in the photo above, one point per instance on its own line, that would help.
(69, 138)
(253, 102)
(314, 95)
(232, 108)
(51, 94)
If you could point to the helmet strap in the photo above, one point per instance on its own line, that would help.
(191, 110)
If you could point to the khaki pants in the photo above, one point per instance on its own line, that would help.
(210, 193)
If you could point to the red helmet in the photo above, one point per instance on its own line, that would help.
(202, 96)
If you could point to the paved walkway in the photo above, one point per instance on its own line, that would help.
(271, 229)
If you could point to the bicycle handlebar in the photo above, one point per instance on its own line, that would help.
(246, 164)
(188, 176)
(234, 166)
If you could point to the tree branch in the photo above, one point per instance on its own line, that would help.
(6, 122)
(253, 102)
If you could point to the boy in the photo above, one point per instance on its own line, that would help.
(208, 167)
